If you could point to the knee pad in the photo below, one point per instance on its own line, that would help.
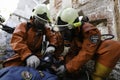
(101, 72)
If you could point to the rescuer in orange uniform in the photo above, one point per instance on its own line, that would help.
(85, 43)
(27, 43)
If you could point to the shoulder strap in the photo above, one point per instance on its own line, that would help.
(28, 26)
(95, 56)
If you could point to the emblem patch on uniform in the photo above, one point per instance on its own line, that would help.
(26, 75)
(94, 39)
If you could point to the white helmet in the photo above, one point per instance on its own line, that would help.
(68, 17)
(41, 11)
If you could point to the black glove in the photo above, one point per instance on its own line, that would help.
(48, 57)
(47, 60)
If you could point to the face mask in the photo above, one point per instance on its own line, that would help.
(39, 23)
(67, 34)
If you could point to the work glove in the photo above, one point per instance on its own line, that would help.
(61, 70)
(33, 61)
(66, 50)
(50, 49)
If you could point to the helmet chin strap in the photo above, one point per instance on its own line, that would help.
(41, 19)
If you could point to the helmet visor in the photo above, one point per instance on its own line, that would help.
(63, 27)
(69, 26)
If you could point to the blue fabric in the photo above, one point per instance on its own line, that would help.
(16, 73)
(49, 75)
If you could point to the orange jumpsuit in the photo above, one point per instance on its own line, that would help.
(108, 51)
(26, 43)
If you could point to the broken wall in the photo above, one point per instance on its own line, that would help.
(100, 12)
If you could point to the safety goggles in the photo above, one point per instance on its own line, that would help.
(68, 26)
